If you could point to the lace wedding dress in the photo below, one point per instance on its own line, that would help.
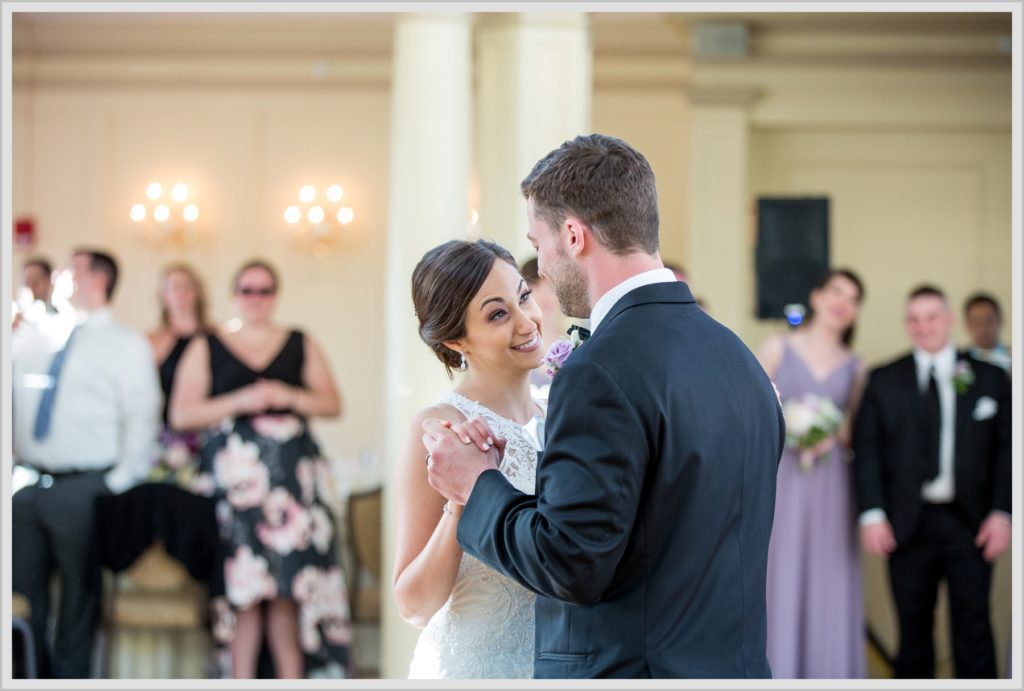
(485, 629)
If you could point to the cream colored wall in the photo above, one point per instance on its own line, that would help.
(654, 120)
(85, 156)
(906, 208)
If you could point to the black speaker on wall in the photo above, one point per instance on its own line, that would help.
(792, 251)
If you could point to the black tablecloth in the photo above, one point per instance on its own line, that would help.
(127, 524)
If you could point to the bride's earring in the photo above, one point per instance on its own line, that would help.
(463, 365)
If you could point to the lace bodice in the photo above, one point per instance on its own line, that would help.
(485, 629)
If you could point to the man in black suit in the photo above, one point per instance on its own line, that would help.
(932, 443)
(647, 539)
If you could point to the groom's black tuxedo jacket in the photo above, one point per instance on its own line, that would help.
(887, 442)
(647, 539)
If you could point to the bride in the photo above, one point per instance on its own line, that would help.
(476, 314)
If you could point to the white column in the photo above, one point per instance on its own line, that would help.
(533, 92)
(721, 253)
(430, 138)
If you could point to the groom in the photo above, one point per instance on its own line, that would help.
(647, 539)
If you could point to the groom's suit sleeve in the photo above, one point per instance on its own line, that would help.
(566, 542)
(867, 445)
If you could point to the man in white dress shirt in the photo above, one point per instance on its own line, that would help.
(86, 415)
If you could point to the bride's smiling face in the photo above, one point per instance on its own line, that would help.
(503, 323)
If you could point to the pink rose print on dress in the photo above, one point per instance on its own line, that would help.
(287, 525)
(223, 620)
(247, 578)
(323, 601)
(280, 428)
(305, 474)
(322, 530)
(324, 482)
(239, 471)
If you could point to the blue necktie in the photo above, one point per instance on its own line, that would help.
(45, 412)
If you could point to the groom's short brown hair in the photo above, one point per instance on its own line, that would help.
(603, 181)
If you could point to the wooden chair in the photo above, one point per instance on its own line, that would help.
(21, 615)
(155, 595)
(364, 517)
(364, 536)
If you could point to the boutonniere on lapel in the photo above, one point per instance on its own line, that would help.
(963, 376)
(560, 350)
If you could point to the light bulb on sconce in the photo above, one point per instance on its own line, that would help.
(166, 216)
(161, 213)
(318, 219)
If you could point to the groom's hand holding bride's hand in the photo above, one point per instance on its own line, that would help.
(457, 453)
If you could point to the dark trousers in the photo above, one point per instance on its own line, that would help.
(942, 547)
(52, 526)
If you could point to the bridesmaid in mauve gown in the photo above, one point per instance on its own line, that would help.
(814, 594)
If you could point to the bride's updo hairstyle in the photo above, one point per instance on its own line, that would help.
(443, 285)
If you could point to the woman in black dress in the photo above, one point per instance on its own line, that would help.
(252, 388)
(182, 316)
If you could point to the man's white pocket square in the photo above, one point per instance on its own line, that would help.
(985, 408)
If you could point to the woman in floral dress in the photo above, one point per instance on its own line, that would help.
(253, 389)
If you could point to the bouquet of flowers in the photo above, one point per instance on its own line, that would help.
(811, 422)
(178, 461)
(560, 351)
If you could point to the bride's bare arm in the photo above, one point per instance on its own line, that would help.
(427, 554)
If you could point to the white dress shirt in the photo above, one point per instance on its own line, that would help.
(107, 407)
(942, 488)
(605, 303)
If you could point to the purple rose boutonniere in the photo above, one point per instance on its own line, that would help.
(560, 351)
(963, 376)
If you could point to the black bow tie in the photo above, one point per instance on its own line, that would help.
(584, 333)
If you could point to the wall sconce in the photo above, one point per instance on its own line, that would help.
(167, 215)
(318, 223)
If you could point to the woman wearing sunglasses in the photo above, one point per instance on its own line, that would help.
(252, 388)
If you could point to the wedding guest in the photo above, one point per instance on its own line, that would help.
(815, 608)
(553, 325)
(933, 481)
(182, 316)
(252, 389)
(86, 412)
(984, 320)
(478, 316)
(36, 275)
